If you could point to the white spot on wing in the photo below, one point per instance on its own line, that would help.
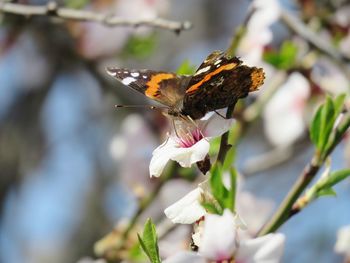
(126, 72)
(135, 74)
(128, 80)
(217, 62)
(202, 70)
(145, 77)
(112, 73)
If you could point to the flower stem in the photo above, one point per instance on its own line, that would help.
(239, 34)
(230, 52)
(224, 146)
(286, 211)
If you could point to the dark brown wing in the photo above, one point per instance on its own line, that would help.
(218, 83)
(164, 87)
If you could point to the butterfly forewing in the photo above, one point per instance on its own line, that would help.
(164, 87)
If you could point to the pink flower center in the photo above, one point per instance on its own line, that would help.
(186, 138)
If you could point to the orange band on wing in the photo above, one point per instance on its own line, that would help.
(210, 75)
(153, 85)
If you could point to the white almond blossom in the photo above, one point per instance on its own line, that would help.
(189, 143)
(258, 33)
(329, 77)
(343, 241)
(220, 241)
(189, 210)
(283, 114)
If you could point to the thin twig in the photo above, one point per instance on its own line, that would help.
(53, 10)
(285, 211)
(230, 52)
(224, 145)
(297, 26)
(267, 160)
(239, 34)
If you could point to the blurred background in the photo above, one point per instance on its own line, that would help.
(72, 166)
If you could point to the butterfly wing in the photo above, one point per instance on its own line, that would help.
(218, 83)
(164, 87)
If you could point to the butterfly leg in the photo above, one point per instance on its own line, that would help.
(222, 116)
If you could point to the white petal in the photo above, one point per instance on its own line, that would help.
(161, 155)
(283, 114)
(188, 156)
(265, 249)
(329, 76)
(170, 150)
(247, 208)
(187, 210)
(219, 236)
(213, 125)
(185, 257)
(267, 12)
(343, 241)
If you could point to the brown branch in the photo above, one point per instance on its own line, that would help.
(298, 27)
(287, 208)
(53, 10)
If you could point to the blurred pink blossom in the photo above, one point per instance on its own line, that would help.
(132, 149)
(258, 33)
(329, 77)
(283, 114)
(99, 40)
(342, 245)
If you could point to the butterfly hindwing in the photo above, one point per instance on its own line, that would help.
(164, 87)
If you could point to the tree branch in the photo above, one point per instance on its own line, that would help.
(53, 10)
(286, 210)
(298, 27)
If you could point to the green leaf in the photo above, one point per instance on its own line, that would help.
(218, 189)
(230, 156)
(216, 180)
(225, 197)
(327, 121)
(76, 4)
(140, 47)
(326, 192)
(186, 68)
(135, 254)
(211, 208)
(334, 178)
(232, 195)
(323, 121)
(339, 104)
(315, 127)
(214, 146)
(149, 242)
(285, 58)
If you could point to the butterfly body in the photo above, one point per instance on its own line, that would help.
(217, 83)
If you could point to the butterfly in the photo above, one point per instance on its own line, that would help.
(218, 83)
